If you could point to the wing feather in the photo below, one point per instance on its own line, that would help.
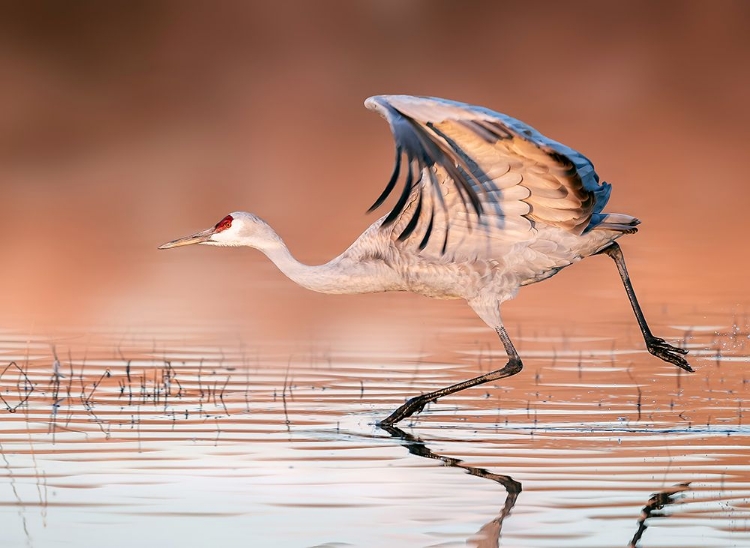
(479, 170)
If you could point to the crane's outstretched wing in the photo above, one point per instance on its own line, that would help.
(467, 166)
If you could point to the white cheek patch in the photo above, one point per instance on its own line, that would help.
(226, 237)
(229, 237)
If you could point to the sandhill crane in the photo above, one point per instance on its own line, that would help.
(488, 205)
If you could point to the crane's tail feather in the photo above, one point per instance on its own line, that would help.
(618, 222)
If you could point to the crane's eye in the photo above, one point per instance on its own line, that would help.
(225, 223)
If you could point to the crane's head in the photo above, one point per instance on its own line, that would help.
(236, 229)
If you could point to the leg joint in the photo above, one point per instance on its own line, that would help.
(613, 250)
(514, 366)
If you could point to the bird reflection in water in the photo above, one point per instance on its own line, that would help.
(654, 507)
(489, 534)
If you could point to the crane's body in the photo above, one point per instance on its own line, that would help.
(488, 205)
(377, 262)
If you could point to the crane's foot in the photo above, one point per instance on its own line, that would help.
(665, 351)
(412, 406)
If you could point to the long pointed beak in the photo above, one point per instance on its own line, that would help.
(197, 238)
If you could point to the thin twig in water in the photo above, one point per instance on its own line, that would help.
(640, 395)
(24, 393)
(283, 395)
(200, 382)
(86, 400)
(221, 395)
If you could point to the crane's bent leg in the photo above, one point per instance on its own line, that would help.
(416, 404)
(658, 347)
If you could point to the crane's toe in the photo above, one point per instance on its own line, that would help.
(665, 351)
(412, 406)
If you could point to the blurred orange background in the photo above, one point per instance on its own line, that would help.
(127, 124)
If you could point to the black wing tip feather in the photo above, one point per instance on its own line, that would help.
(428, 232)
(412, 224)
(408, 185)
(421, 148)
(391, 182)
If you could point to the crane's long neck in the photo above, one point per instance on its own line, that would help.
(340, 275)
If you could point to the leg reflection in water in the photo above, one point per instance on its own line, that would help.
(489, 535)
(653, 507)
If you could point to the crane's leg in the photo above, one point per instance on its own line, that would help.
(416, 404)
(658, 347)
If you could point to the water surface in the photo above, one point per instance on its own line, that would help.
(178, 437)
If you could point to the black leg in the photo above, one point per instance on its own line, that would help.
(658, 347)
(416, 404)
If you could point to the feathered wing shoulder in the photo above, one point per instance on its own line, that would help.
(461, 162)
